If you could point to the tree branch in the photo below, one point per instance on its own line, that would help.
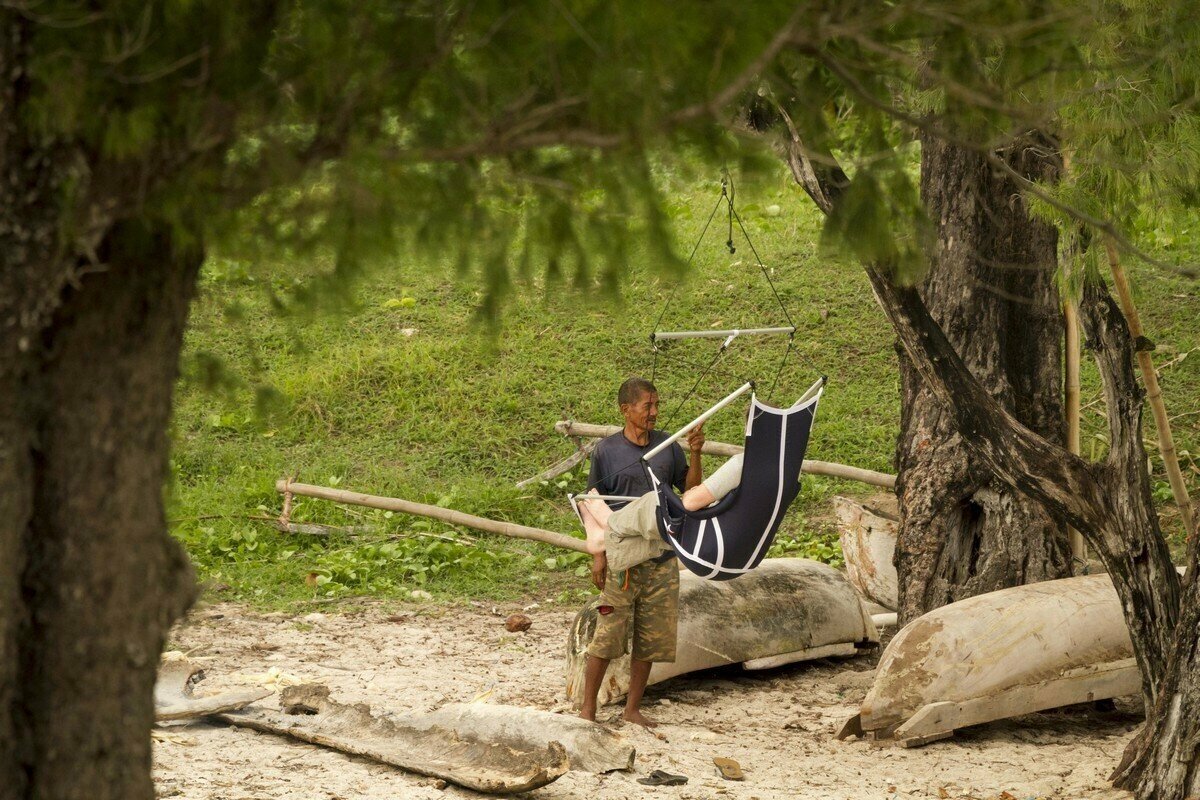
(713, 105)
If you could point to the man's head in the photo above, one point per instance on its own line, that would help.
(638, 401)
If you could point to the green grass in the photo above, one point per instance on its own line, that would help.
(451, 415)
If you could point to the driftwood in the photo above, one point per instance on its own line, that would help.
(867, 533)
(785, 610)
(998, 655)
(173, 698)
(590, 747)
(435, 512)
(582, 451)
(828, 468)
(406, 742)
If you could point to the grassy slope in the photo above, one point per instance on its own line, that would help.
(452, 416)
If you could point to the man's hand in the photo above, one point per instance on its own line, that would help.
(599, 570)
(695, 439)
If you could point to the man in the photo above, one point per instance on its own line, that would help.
(644, 595)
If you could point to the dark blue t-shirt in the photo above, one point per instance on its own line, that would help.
(617, 466)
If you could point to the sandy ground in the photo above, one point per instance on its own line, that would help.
(776, 724)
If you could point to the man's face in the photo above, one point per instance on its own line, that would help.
(642, 413)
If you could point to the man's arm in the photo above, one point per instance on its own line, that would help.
(695, 473)
(599, 569)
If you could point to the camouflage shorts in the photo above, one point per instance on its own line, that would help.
(648, 603)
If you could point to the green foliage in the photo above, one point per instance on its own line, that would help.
(419, 402)
(509, 142)
(449, 415)
(542, 154)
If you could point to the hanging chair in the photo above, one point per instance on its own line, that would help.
(732, 536)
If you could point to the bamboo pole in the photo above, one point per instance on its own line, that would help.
(828, 468)
(1166, 442)
(435, 512)
(1071, 322)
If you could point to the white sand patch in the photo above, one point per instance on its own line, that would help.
(776, 724)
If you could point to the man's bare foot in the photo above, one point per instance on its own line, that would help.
(588, 713)
(638, 718)
(592, 525)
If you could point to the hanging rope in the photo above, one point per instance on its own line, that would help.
(766, 273)
(724, 196)
(727, 196)
(782, 363)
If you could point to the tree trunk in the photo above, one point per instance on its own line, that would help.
(1163, 761)
(991, 289)
(90, 580)
(1108, 502)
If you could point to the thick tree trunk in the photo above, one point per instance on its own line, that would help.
(1109, 502)
(991, 289)
(91, 580)
(1163, 762)
(1111, 505)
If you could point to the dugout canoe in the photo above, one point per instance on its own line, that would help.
(785, 610)
(415, 743)
(867, 535)
(495, 749)
(998, 655)
(174, 699)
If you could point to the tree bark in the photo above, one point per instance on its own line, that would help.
(1110, 504)
(990, 288)
(89, 579)
(1163, 760)
(92, 581)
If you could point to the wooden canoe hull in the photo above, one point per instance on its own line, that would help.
(173, 698)
(867, 534)
(412, 743)
(1000, 654)
(785, 610)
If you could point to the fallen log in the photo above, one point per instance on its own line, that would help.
(451, 754)
(997, 655)
(828, 468)
(867, 535)
(590, 747)
(435, 512)
(582, 451)
(786, 610)
(173, 698)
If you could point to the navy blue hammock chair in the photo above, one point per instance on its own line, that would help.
(731, 537)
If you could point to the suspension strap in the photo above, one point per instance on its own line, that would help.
(782, 364)
(766, 273)
(675, 290)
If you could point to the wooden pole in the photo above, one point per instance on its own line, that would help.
(828, 468)
(1166, 442)
(1071, 321)
(434, 512)
(582, 451)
